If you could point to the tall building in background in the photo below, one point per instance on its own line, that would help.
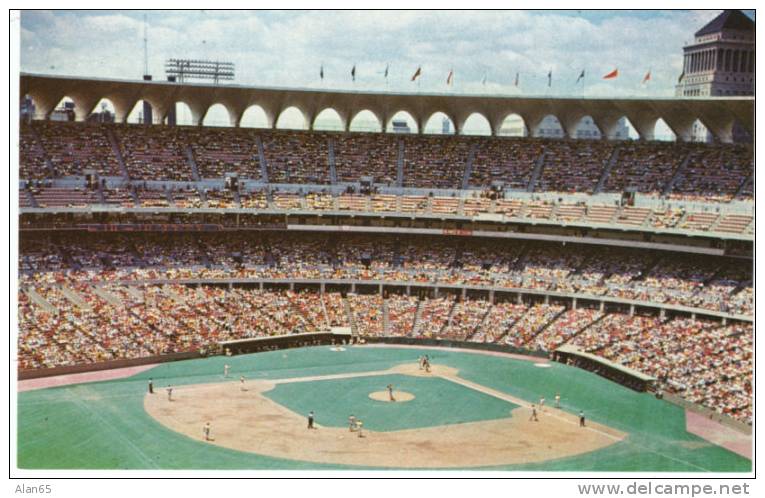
(720, 61)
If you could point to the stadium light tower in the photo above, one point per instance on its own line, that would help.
(183, 69)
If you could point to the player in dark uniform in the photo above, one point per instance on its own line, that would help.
(581, 419)
(151, 387)
(310, 420)
(533, 414)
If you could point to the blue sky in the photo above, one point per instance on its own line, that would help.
(273, 48)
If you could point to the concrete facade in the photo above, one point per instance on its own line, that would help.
(718, 114)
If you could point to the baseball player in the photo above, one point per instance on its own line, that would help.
(241, 383)
(533, 414)
(581, 419)
(310, 420)
(206, 431)
(390, 392)
(169, 393)
(225, 370)
(151, 387)
(557, 400)
(352, 423)
(542, 404)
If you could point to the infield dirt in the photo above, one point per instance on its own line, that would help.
(249, 421)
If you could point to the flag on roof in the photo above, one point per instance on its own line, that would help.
(353, 73)
(417, 73)
(613, 74)
(517, 74)
(321, 72)
(549, 78)
(450, 78)
(581, 76)
(647, 77)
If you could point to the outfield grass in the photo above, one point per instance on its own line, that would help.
(103, 425)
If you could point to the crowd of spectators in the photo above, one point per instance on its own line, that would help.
(221, 151)
(712, 172)
(366, 154)
(656, 277)
(154, 153)
(74, 148)
(434, 161)
(573, 166)
(65, 321)
(297, 157)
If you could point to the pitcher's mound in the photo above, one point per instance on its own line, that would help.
(400, 396)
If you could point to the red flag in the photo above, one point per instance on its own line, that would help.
(450, 78)
(417, 73)
(613, 74)
(647, 76)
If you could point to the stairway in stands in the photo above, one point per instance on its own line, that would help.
(400, 165)
(332, 169)
(262, 160)
(538, 167)
(75, 298)
(607, 170)
(107, 296)
(118, 153)
(192, 163)
(351, 318)
(40, 301)
(676, 176)
(469, 167)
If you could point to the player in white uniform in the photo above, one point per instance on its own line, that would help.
(225, 370)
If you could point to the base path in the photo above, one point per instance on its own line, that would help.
(250, 421)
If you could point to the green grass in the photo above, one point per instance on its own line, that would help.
(437, 402)
(103, 425)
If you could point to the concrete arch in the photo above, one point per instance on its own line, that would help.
(359, 114)
(135, 114)
(219, 115)
(618, 128)
(330, 113)
(185, 114)
(718, 113)
(288, 114)
(104, 104)
(578, 132)
(410, 118)
(476, 124)
(548, 125)
(428, 127)
(255, 116)
(510, 122)
(663, 131)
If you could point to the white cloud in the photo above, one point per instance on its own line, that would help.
(287, 48)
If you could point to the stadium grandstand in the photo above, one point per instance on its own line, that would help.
(144, 240)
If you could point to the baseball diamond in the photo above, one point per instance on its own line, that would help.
(470, 412)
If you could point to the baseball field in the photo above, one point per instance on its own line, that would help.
(471, 411)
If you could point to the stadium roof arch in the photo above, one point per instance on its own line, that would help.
(718, 114)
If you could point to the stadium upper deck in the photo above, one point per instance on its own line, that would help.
(717, 114)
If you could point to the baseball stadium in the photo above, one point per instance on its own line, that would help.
(197, 295)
